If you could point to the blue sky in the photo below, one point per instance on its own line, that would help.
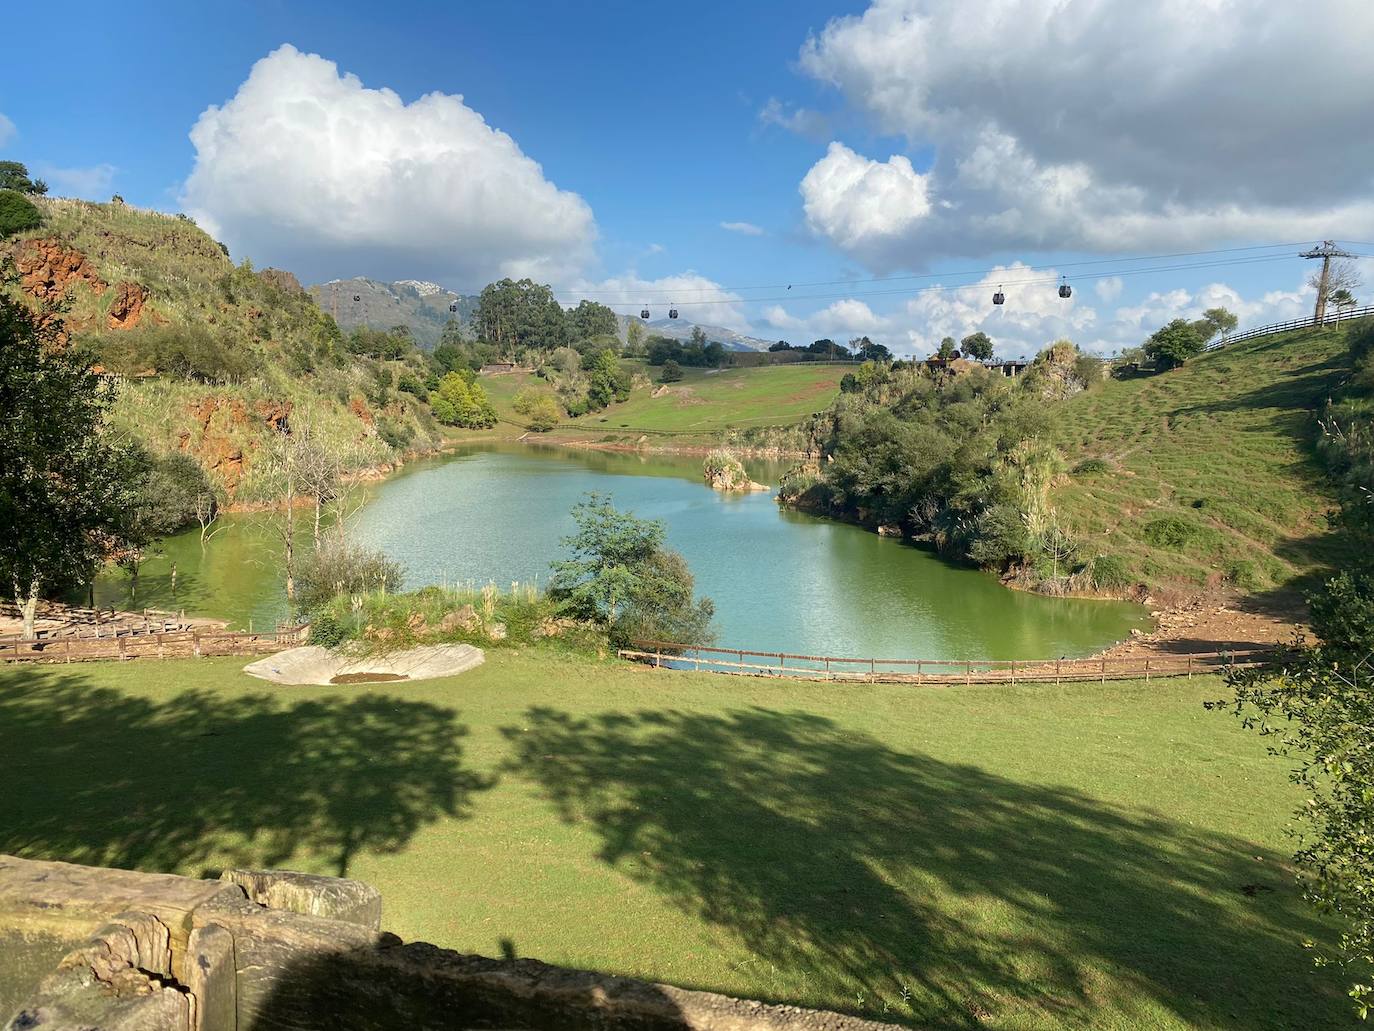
(851, 142)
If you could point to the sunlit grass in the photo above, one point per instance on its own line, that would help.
(1093, 856)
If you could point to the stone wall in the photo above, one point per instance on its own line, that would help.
(84, 948)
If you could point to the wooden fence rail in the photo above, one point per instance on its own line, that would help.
(740, 661)
(177, 644)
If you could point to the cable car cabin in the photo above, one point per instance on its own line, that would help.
(1065, 290)
(644, 313)
(999, 297)
(453, 306)
(672, 313)
(357, 297)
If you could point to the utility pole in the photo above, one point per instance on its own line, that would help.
(1326, 252)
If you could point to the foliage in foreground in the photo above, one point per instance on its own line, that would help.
(1317, 707)
(63, 490)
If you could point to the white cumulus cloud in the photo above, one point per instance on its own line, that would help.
(7, 129)
(1109, 289)
(840, 320)
(1105, 126)
(308, 168)
(861, 204)
(746, 228)
(699, 299)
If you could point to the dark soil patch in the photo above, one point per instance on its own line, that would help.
(366, 678)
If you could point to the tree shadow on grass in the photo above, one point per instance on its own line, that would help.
(96, 776)
(856, 869)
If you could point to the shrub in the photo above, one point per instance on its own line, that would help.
(672, 372)
(327, 630)
(1110, 573)
(1170, 532)
(338, 568)
(17, 213)
(1092, 467)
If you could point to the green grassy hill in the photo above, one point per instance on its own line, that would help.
(1206, 473)
(705, 404)
(214, 356)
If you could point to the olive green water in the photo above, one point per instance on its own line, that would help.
(781, 581)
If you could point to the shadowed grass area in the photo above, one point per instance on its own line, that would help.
(1087, 856)
(1220, 446)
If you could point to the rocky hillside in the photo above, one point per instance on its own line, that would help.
(212, 358)
(422, 307)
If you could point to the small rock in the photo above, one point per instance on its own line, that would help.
(464, 619)
(497, 631)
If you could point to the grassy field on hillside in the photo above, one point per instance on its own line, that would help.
(1208, 469)
(1003, 857)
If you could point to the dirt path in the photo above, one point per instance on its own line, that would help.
(1209, 625)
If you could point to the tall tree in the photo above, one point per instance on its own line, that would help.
(590, 319)
(977, 346)
(14, 175)
(520, 314)
(62, 493)
(1174, 344)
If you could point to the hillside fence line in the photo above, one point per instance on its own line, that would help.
(742, 662)
(1309, 322)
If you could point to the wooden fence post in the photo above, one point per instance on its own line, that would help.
(1104, 669)
(195, 643)
(69, 649)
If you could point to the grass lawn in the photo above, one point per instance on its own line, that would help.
(1222, 448)
(1006, 857)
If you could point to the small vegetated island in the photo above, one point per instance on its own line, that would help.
(859, 850)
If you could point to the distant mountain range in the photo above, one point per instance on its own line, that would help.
(424, 307)
(421, 305)
(681, 329)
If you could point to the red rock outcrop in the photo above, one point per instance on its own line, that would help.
(126, 311)
(48, 268)
(360, 409)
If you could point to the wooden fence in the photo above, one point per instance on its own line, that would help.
(742, 662)
(177, 644)
(1283, 327)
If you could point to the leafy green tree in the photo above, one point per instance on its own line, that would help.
(62, 492)
(167, 494)
(621, 577)
(947, 349)
(672, 372)
(977, 346)
(866, 350)
(1342, 299)
(634, 340)
(590, 319)
(462, 401)
(540, 409)
(17, 214)
(1175, 343)
(606, 381)
(14, 175)
(1214, 321)
(520, 314)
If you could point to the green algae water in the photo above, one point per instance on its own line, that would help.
(781, 581)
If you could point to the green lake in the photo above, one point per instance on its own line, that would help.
(781, 581)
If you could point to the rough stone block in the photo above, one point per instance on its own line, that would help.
(333, 898)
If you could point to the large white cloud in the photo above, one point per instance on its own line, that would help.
(306, 167)
(1100, 125)
(6, 129)
(840, 320)
(699, 299)
(1034, 314)
(861, 204)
